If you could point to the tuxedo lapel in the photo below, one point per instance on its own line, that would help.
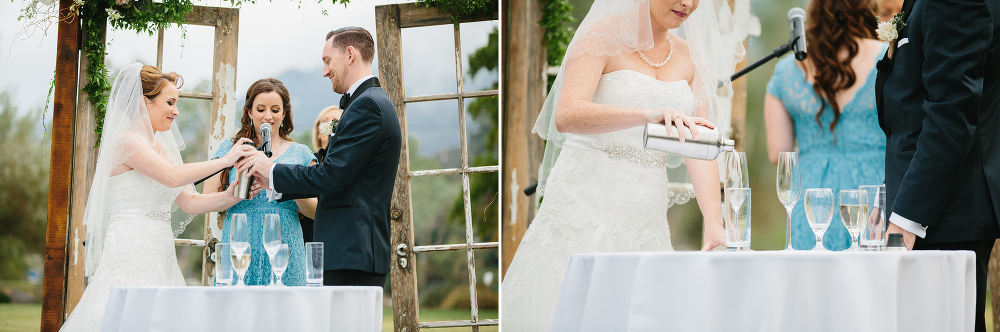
(884, 67)
(371, 82)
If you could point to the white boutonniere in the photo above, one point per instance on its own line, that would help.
(888, 31)
(328, 128)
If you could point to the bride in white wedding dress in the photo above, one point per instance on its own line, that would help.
(625, 67)
(138, 180)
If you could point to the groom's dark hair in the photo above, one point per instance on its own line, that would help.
(358, 37)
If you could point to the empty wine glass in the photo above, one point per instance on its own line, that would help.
(279, 263)
(788, 188)
(272, 236)
(240, 243)
(853, 209)
(819, 212)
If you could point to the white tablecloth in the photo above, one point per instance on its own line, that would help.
(258, 308)
(769, 291)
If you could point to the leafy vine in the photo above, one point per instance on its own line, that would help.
(556, 16)
(462, 8)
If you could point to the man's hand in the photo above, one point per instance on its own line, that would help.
(258, 166)
(908, 238)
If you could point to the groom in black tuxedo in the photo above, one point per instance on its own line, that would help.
(938, 96)
(355, 180)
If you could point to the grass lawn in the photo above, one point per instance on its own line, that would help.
(434, 315)
(20, 317)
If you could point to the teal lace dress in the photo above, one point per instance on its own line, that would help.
(855, 158)
(259, 272)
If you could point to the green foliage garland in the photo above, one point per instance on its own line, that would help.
(139, 16)
(463, 8)
(556, 16)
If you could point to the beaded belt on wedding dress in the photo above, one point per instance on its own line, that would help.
(163, 216)
(636, 155)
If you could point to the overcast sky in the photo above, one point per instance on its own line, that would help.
(274, 37)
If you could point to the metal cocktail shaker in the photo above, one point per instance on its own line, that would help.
(243, 191)
(709, 145)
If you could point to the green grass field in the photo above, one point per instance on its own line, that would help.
(434, 315)
(20, 317)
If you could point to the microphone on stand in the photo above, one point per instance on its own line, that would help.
(797, 18)
(265, 139)
(797, 42)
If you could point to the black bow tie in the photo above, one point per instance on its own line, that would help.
(344, 101)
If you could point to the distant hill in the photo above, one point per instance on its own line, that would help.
(433, 124)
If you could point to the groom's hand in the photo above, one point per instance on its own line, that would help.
(258, 166)
(908, 238)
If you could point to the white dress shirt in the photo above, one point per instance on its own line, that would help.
(273, 195)
(908, 225)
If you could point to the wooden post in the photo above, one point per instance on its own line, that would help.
(403, 274)
(84, 165)
(524, 85)
(993, 279)
(224, 114)
(60, 173)
(738, 121)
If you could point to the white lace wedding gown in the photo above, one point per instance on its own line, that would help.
(605, 193)
(138, 246)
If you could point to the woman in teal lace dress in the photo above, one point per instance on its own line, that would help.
(267, 101)
(826, 104)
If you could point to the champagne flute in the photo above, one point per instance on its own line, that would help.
(788, 188)
(853, 209)
(735, 177)
(738, 225)
(272, 236)
(736, 170)
(280, 262)
(240, 243)
(819, 212)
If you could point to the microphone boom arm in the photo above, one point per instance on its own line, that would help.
(781, 50)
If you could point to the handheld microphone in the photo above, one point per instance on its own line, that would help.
(265, 139)
(797, 18)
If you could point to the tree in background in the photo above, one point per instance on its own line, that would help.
(24, 181)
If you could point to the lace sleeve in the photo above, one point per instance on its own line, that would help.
(778, 80)
(223, 149)
(307, 155)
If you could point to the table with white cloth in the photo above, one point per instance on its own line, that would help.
(254, 308)
(769, 291)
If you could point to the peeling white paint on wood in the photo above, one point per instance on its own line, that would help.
(76, 245)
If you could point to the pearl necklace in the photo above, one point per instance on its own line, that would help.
(670, 42)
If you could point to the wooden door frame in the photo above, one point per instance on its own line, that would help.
(74, 157)
(390, 20)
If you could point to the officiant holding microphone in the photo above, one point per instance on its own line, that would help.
(355, 181)
(268, 104)
(938, 98)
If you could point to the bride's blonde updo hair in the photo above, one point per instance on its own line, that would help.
(153, 80)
